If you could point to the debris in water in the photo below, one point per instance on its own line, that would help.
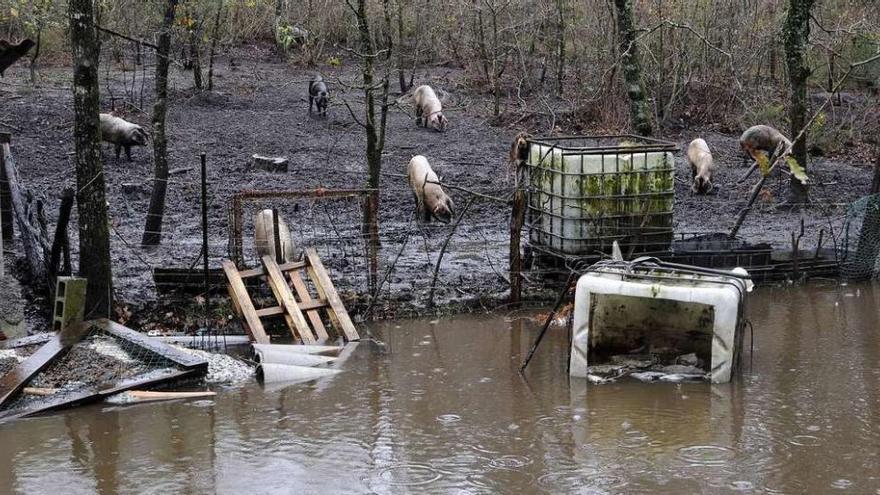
(682, 377)
(598, 380)
(647, 376)
(646, 368)
(689, 360)
(223, 368)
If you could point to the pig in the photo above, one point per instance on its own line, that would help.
(702, 166)
(264, 237)
(428, 109)
(318, 94)
(9, 53)
(122, 133)
(763, 138)
(431, 199)
(519, 149)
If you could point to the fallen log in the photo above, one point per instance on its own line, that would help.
(33, 237)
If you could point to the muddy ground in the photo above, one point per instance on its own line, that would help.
(259, 105)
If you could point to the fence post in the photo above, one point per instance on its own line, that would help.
(276, 236)
(204, 171)
(517, 218)
(5, 196)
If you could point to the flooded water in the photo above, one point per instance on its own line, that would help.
(442, 409)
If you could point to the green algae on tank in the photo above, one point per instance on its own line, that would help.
(588, 198)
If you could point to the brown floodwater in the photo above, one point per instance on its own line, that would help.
(442, 409)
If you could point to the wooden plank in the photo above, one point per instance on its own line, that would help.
(327, 291)
(278, 310)
(294, 317)
(243, 302)
(183, 359)
(13, 381)
(151, 395)
(261, 272)
(303, 292)
(93, 394)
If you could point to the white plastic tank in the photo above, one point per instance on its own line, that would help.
(588, 191)
(660, 310)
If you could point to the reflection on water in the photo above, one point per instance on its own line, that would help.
(443, 410)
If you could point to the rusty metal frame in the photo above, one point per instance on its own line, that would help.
(236, 203)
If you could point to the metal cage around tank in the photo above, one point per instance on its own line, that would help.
(585, 192)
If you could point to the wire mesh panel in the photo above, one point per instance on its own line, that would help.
(107, 359)
(861, 251)
(329, 221)
(586, 192)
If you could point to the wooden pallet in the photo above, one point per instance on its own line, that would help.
(301, 312)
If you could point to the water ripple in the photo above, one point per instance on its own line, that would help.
(408, 475)
(706, 455)
(510, 462)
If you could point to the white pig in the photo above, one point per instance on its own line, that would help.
(122, 133)
(428, 109)
(431, 199)
(702, 166)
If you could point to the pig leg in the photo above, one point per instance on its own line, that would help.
(418, 116)
(118, 150)
(128, 152)
(311, 100)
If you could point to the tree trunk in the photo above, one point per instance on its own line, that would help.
(94, 232)
(796, 33)
(401, 77)
(560, 43)
(875, 184)
(640, 114)
(196, 56)
(33, 64)
(375, 131)
(214, 35)
(153, 228)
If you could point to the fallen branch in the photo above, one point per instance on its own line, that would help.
(125, 37)
(443, 251)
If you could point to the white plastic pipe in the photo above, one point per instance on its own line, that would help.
(299, 349)
(276, 373)
(276, 356)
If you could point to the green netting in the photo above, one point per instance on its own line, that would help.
(861, 250)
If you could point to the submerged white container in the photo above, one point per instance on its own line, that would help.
(620, 306)
(586, 192)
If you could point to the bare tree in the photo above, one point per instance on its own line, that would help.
(94, 233)
(560, 45)
(796, 34)
(632, 69)
(375, 129)
(153, 228)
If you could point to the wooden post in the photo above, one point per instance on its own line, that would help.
(276, 238)
(61, 239)
(35, 241)
(517, 218)
(202, 157)
(5, 198)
